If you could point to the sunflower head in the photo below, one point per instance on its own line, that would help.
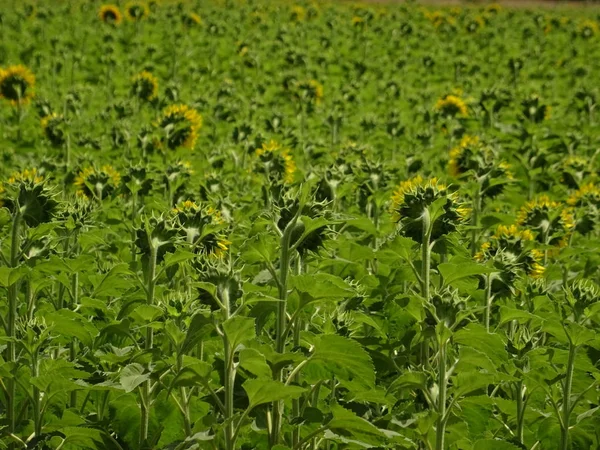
(415, 198)
(580, 295)
(191, 20)
(573, 170)
(136, 11)
(144, 86)
(553, 221)
(451, 106)
(200, 225)
(588, 29)
(179, 126)
(16, 84)
(99, 183)
(298, 13)
(588, 194)
(27, 193)
(53, 127)
(310, 91)
(475, 24)
(156, 234)
(76, 213)
(110, 14)
(534, 109)
(278, 162)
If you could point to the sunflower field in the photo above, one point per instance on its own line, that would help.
(260, 224)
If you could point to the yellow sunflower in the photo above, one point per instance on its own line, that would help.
(181, 125)
(144, 86)
(136, 11)
(278, 159)
(452, 105)
(110, 14)
(97, 183)
(16, 84)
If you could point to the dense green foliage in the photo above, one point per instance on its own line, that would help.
(256, 225)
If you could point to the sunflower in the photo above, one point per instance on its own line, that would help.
(311, 91)
(509, 248)
(110, 14)
(197, 224)
(277, 160)
(16, 84)
(588, 194)
(298, 14)
(144, 86)
(534, 110)
(191, 20)
(588, 29)
(28, 193)
(553, 221)
(97, 183)
(180, 124)
(451, 106)
(52, 127)
(136, 11)
(412, 199)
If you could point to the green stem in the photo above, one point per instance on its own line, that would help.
(566, 405)
(520, 411)
(230, 373)
(11, 324)
(488, 302)
(284, 267)
(73, 345)
(425, 254)
(145, 400)
(441, 421)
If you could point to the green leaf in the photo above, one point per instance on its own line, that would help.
(178, 257)
(460, 268)
(494, 444)
(490, 344)
(346, 423)
(132, 376)
(262, 391)
(238, 330)
(410, 380)
(71, 324)
(342, 356)
(322, 285)
(255, 362)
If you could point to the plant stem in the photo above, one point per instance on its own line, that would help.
(11, 324)
(441, 422)
(488, 302)
(284, 267)
(73, 346)
(230, 373)
(425, 254)
(566, 405)
(520, 411)
(145, 389)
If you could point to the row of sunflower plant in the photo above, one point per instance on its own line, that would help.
(265, 225)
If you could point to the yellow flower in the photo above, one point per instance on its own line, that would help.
(181, 125)
(588, 28)
(456, 153)
(16, 84)
(136, 11)
(145, 86)
(298, 13)
(91, 182)
(588, 192)
(110, 14)
(272, 152)
(451, 105)
(27, 175)
(192, 19)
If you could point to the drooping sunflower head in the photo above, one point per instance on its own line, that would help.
(98, 183)
(588, 194)
(298, 13)
(475, 24)
(110, 14)
(136, 11)
(156, 235)
(552, 221)
(53, 127)
(493, 8)
(310, 91)
(573, 170)
(191, 20)
(580, 295)
(200, 226)
(29, 194)
(588, 29)
(144, 86)
(179, 125)
(413, 199)
(16, 84)
(77, 212)
(278, 161)
(534, 109)
(452, 106)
